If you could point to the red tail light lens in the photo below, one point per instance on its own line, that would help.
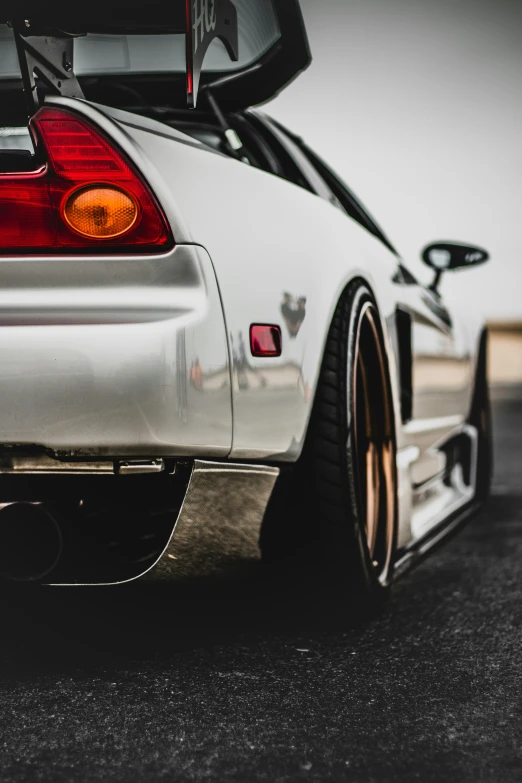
(75, 148)
(88, 198)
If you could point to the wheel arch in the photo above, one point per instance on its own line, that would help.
(389, 337)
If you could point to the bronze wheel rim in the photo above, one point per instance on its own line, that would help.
(373, 445)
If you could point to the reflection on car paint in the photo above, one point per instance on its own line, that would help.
(293, 310)
(240, 360)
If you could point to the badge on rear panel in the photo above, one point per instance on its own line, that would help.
(207, 20)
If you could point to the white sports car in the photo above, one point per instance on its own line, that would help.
(200, 323)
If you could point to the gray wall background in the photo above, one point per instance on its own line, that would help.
(418, 105)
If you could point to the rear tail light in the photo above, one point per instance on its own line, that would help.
(100, 211)
(88, 198)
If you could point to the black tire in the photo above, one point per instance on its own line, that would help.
(349, 549)
(480, 418)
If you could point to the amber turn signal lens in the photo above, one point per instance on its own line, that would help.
(100, 211)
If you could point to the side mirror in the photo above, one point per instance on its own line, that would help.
(443, 256)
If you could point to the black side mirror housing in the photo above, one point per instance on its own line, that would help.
(444, 256)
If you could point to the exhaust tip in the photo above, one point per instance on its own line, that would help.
(30, 542)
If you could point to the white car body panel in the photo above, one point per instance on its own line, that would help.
(118, 388)
(95, 352)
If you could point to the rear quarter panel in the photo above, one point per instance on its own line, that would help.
(265, 236)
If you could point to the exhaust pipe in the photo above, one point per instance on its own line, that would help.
(30, 542)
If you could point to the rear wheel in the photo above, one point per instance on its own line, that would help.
(347, 474)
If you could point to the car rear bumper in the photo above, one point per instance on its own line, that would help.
(114, 357)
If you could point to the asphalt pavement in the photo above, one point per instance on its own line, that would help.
(233, 680)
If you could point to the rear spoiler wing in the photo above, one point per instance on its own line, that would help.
(44, 39)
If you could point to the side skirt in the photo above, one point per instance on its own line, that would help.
(415, 552)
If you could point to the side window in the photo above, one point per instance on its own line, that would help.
(404, 276)
(288, 169)
(344, 195)
(317, 183)
(316, 176)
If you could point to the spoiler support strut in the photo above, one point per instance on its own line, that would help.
(51, 59)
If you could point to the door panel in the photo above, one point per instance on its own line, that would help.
(441, 368)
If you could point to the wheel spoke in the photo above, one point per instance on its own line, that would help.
(372, 496)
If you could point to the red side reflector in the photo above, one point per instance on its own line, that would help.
(265, 340)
